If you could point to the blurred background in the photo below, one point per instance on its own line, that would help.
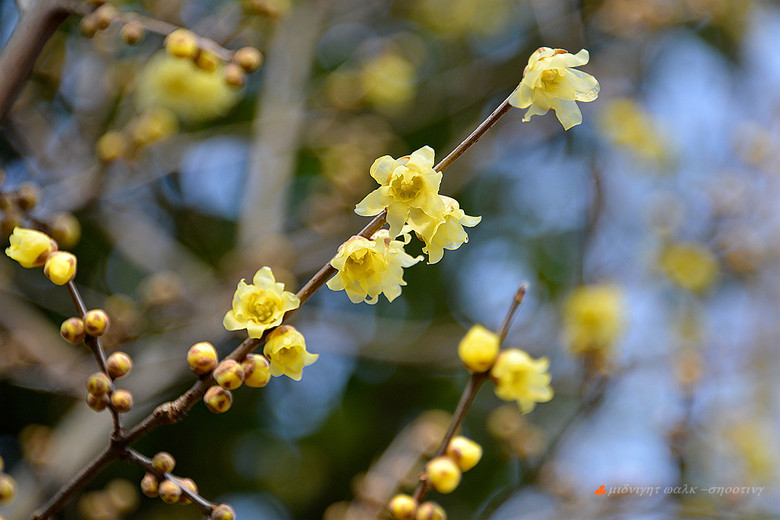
(649, 235)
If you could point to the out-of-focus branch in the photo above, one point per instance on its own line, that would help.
(36, 25)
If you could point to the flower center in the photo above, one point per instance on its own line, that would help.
(551, 77)
(407, 189)
(363, 262)
(263, 308)
(286, 356)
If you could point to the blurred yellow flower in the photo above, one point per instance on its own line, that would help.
(193, 94)
(592, 317)
(259, 306)
(368, 268)
(519, 378)
(463, 17)
(30, 247)
(551, 82)
(388, 80)
(690, 265)
(409, 189)
(152, 125)
(447, 233)
(286, 350)
(626, 124)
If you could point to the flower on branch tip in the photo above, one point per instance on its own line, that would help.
(29, 247)
(551, 82)
(519, 378)
(286, 351)
(260, 305)
(409, 190)
(444, 233)
(368, 268)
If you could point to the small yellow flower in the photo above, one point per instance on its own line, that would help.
(592, 317)
(522, 379)
(30, 247)
(551, 82)
(388, 80)
(368, 268)
(690, 265)
(446, 233)
(479, 348)
(627, 124)
(60, 267)
(259, 306)
(286, 350)
(409, 189)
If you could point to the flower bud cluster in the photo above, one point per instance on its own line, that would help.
(170, 490)
(404, 507)
(100, 386)
(94, 323)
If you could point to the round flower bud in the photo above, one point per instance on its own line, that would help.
(478, 349)
(119, 365)
(202, 358)
(98, 383)
(97, 402)
(60, 267)
(234, 75)
(7, 489)
(132, 33)
(122, 401)
(150, 485)
(104, 15)
(430, 511)
(169, 491)
(110, 146)
(223, 512)
(443, 474)
(218, 400)
(27, 195)
(96, 322)
(206, 60)
(181, 43)
(88, 26)
(190, 485)
(465, 452)
(229, 374)
(163, 462)
(65, 229)
(72, 330)
(248, 58)
(256, 370)
(402, 507)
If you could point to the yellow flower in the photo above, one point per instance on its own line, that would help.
(368, 268)
(60, 267)
(690, 265)
(522, 379)
(592, 317)
(259, 306)
(30, 247)
(388, 80)
(409, 189)
(179, 85)
(286, 350)
(478, 349)
(551, 82)
(446, 233)
(626, 124)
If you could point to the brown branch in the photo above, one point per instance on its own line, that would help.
(36, 25)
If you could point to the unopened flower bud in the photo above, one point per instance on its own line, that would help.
(478, 349)
(181, 43)
(248, 58)
(150, 485)
(206, 60)
(218, 400)
(190, 485)
(443, 474)
(119, 365)
(234, 75)
(88, 26)
(163, 462)
(104, 15)
(96, 322)
(256, 370)
(223, 512)
(229, 374)
(7, 489)
(122, 401)
(110, 146)
(29, 247)
(97, 402)
(402, 507)
(169, 491)
(132, 33)
(60, 267)
(66, 230)
(98, 383)
(430, 511)
(27, 195)
(202, 358)
(465, 452)
(72, 330)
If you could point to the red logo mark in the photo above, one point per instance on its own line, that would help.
(600, 491)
